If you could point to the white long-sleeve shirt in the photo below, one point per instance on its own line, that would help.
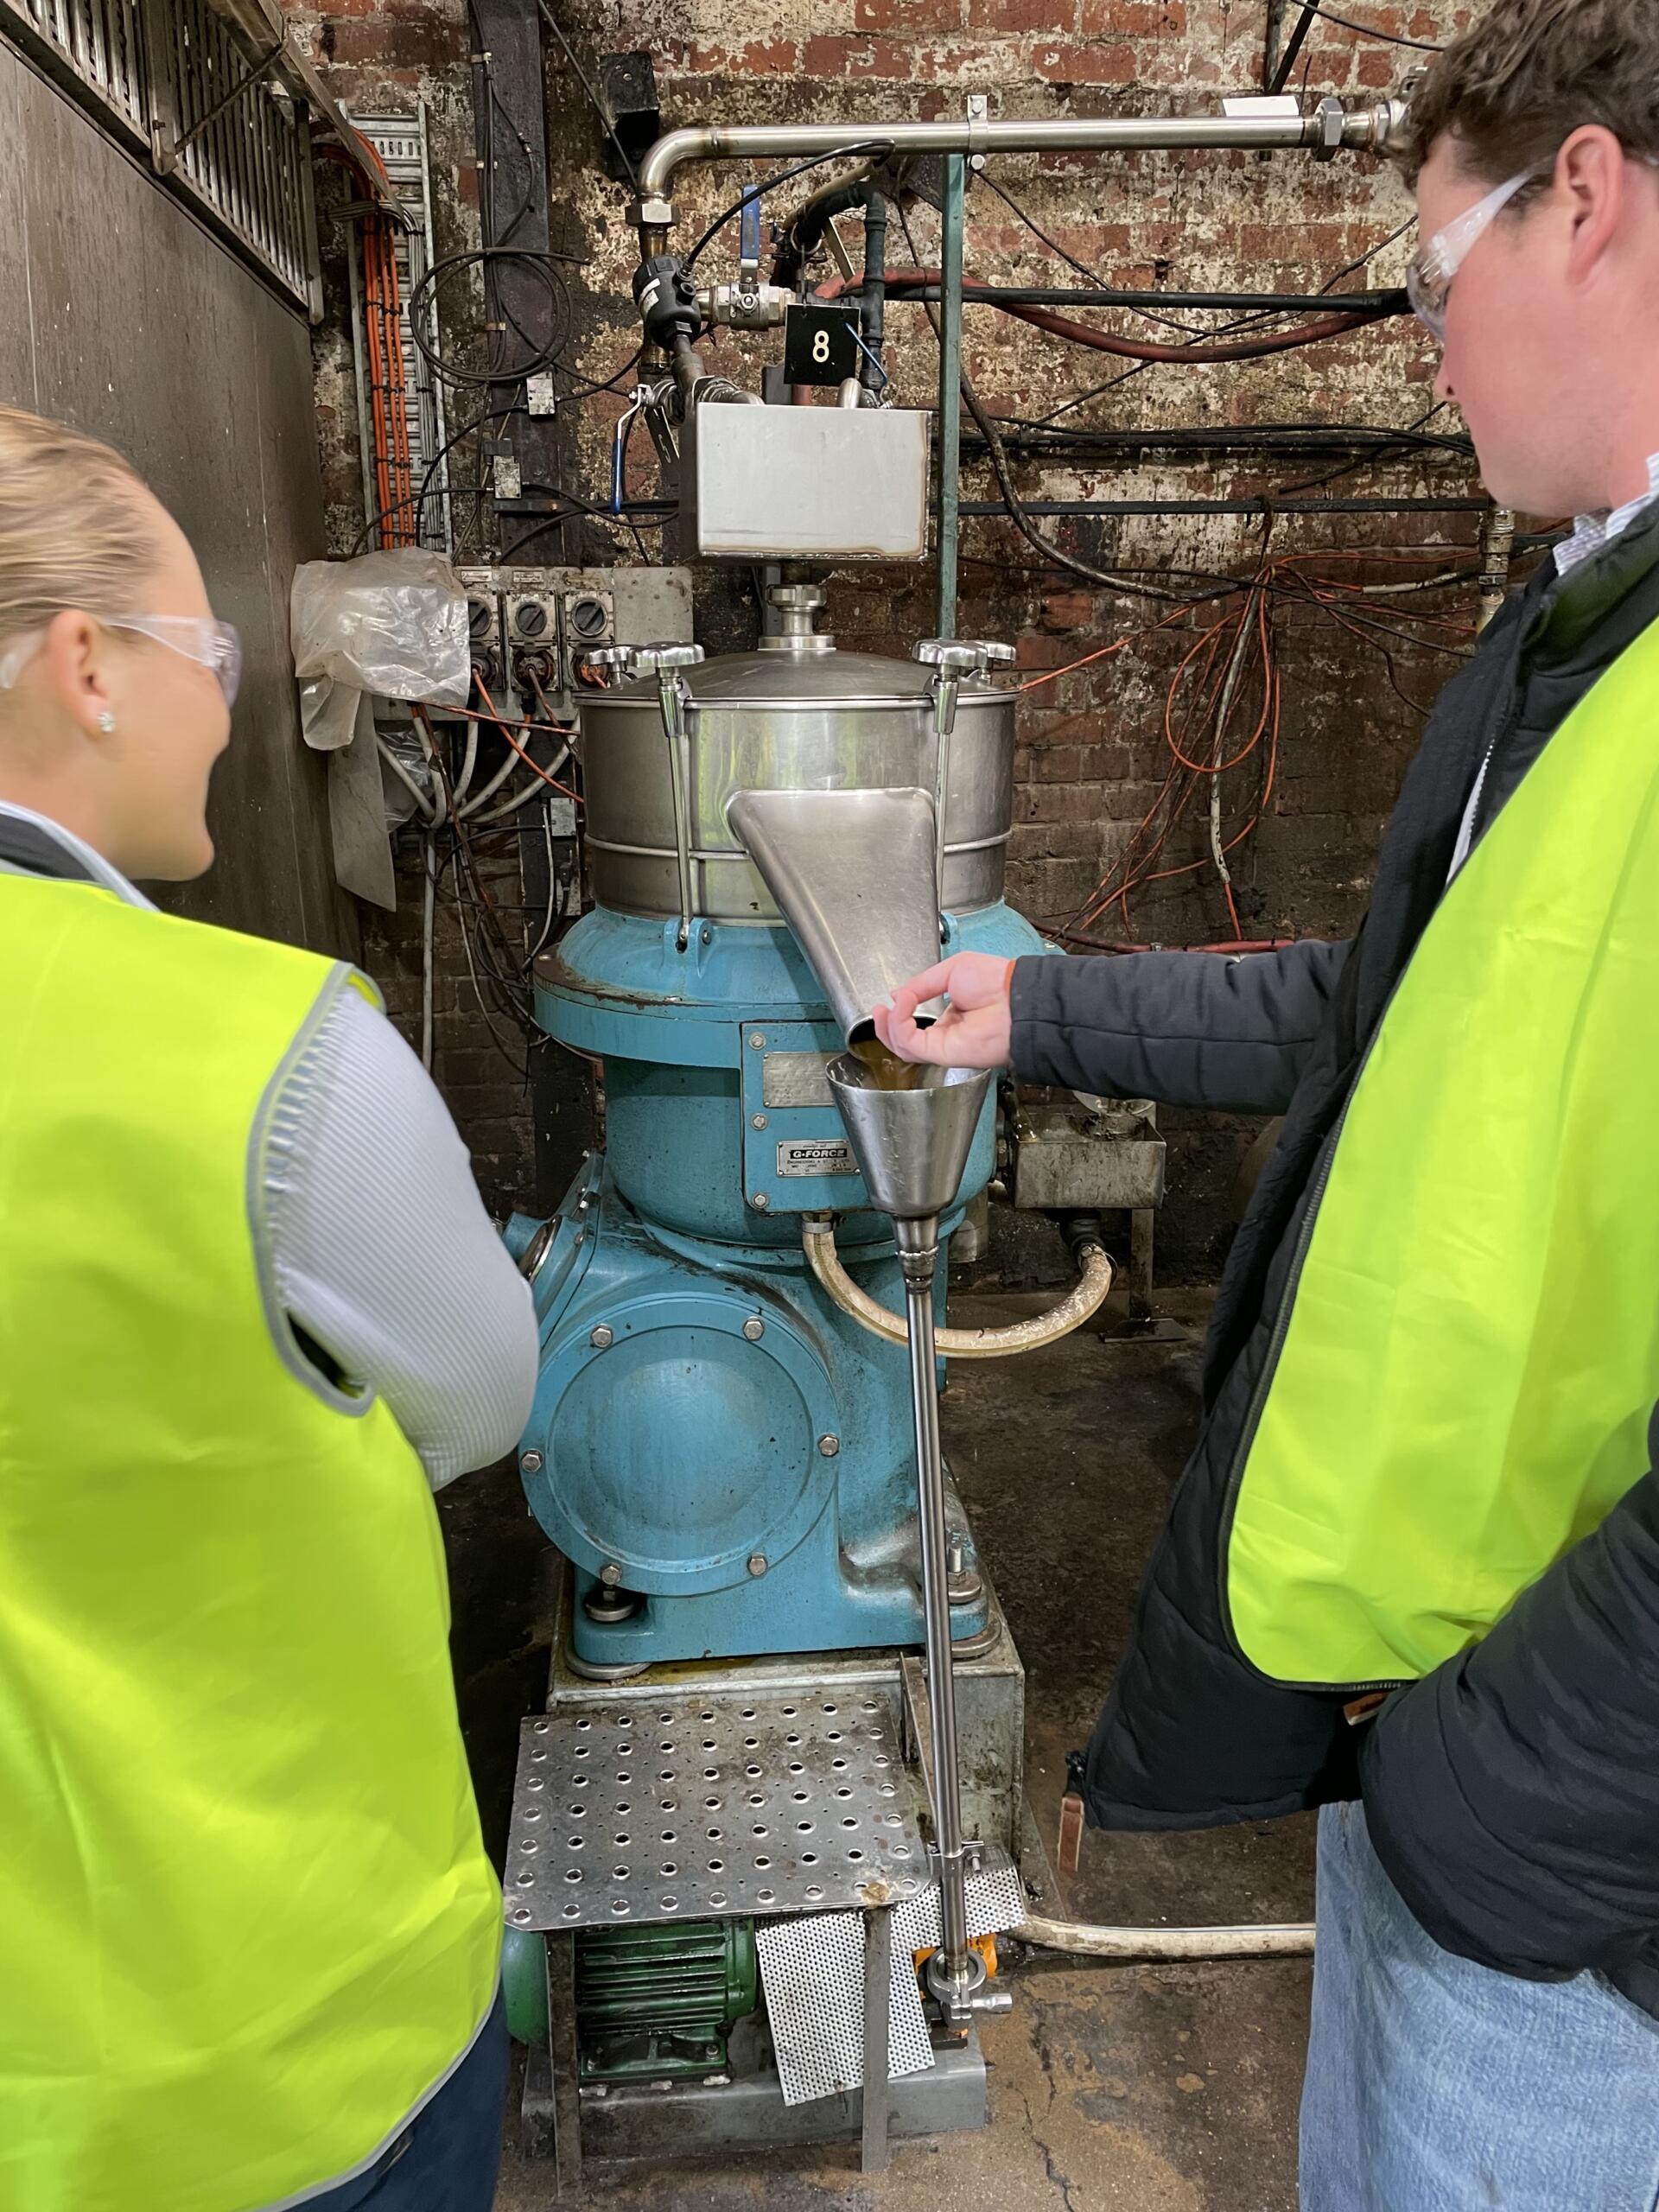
(368, 1224)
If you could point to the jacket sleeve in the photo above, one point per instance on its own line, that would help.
(377, 1248)
(1513, 1795)
(1186, 1028)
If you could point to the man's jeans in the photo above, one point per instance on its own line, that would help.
(1437, 2086)
(447, 2159)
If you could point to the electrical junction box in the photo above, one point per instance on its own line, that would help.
(540, 623)
(803, 484)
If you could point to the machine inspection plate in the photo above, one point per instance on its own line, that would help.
(664, 1808)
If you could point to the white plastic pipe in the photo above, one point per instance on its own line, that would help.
(818, 1236)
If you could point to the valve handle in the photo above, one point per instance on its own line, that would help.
(960, 656)
(645, 660)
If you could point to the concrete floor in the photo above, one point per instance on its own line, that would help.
(1152, 2090)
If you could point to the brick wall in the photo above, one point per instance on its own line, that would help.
(1093, 750)
(478, 1058)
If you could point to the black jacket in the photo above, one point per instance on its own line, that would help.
(1514, 1794)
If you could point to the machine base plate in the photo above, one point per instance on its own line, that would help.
(743, 2108)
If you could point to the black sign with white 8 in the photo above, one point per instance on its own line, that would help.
(820, 343)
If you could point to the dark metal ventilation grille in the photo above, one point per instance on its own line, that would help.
(174, 83)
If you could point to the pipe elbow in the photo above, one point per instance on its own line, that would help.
(693, 142)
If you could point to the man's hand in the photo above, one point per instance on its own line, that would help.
(974, 1031)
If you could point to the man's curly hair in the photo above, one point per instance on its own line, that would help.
(1520, 81)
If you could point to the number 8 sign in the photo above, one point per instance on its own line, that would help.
(820, 343)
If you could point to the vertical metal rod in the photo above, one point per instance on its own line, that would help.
(919, 1254)
(566, 2061)
(955, 219)
(878, 1990)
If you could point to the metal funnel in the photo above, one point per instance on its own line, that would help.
(855, 874)
(911, 1146)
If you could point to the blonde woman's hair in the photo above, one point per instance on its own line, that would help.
(73, 532)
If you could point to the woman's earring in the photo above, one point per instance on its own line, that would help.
(106, 722)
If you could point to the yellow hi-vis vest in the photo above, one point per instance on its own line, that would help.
(1471, 1358)
(246, 1921)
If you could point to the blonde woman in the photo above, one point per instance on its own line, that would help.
(251, 1311)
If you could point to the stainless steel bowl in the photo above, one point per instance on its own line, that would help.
(795, 715)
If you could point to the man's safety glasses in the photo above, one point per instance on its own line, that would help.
(1428, 279)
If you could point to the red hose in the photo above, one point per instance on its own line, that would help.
(1131, 349)
(1234, 946)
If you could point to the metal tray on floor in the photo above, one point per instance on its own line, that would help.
(664, 1808)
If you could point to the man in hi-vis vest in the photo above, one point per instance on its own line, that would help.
(251, 1311)
(1411, 1574)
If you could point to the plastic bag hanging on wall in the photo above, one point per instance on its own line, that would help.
(393, 624)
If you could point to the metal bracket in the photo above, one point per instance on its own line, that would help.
(979, 114)
(664, 661)
(950, 659)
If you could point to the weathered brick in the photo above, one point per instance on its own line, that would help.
(1023, 15)
(1035, 649)
(1084, 64)
(1155, 19)
(835, 57)
(907, 16)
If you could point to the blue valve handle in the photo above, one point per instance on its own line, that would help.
(748, 248)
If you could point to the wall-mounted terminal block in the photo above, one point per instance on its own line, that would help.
(533, 628)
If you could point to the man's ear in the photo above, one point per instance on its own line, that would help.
(1590, 170)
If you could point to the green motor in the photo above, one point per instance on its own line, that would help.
(657, 2003)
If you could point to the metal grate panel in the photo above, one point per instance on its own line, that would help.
(172, 80)
(741, 1804)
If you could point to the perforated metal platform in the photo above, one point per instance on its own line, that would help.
(661, 1809)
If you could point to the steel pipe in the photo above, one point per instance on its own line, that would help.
(1329, 127)
(953, 1979)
